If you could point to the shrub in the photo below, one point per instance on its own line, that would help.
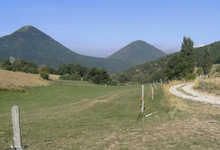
(199, 71)
(190, 76)
(218, 69)
(66, 77)
(43, 73)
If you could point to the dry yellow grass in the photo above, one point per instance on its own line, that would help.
(172, 100)
(54, 77)
(16, 80)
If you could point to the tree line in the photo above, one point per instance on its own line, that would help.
(177, 66)
(71, 71)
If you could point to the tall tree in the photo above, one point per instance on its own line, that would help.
(207, 62)
(188, 55)
(183, 63)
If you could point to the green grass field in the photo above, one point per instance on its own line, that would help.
(79, 115)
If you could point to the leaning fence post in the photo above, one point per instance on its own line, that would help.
(16, 127)
(142, 108)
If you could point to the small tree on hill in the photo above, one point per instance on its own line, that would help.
(207, 62)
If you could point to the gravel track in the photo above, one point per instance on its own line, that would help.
(190, 93)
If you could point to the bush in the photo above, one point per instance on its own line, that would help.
(199, 71)
(218, 69)
(190, 76)
(43, 73)
(66, 77)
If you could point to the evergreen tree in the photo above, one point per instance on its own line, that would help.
(207, 62)
(188, 55)
(183, 63)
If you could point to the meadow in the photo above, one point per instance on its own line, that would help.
(81, 115)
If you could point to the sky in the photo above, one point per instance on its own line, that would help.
(99, 28)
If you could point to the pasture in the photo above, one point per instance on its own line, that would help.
(80, 115)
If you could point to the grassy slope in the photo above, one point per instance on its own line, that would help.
(87, 116)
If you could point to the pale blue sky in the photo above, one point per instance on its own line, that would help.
(101, 27)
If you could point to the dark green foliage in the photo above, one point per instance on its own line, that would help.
(6, 65)
(158, 75)
(200, 71)
(43, 73)
(66, 77)
(175, 68)
(190, 76)
(138, 78)
(122, 77)
(188, 55)
(218, 69)
(138, 52)
(74, 70)
(20, 65)
(148, 69)
(207, 62)
(98, 76)
(183, 63)
(51, 70)
(214, 49)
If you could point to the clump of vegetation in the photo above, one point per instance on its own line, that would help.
(218, 69)
(20, 65)
(207, 62)
(182, 64)
(199, 71)
(190, 76)
(43, 73)
(98, 76)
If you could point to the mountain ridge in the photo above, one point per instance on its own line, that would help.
(33, 45)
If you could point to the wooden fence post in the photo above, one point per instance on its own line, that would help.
(161, 82)
(152, 92)
(16, 127)
(142, 108)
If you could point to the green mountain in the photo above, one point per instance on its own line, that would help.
(31, 44)
(153, 70)
(138, 52)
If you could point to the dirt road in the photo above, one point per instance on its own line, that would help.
(189, 93)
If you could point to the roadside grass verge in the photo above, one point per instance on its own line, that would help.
(208, 86)
(72, 116)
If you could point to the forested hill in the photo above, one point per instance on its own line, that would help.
(214, 49)
(153, 70)
(138, 52)
(33, 45)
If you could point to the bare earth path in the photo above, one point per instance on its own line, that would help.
(190, 93)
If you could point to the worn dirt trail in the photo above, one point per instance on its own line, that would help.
(190, 93)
